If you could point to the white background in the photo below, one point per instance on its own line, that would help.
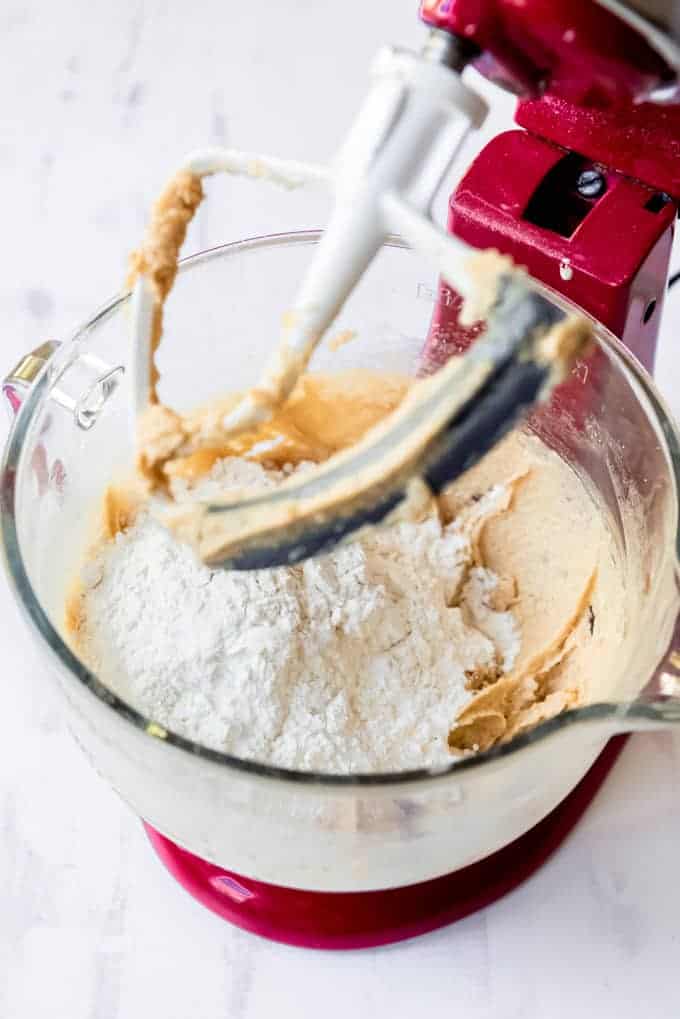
(98, 102)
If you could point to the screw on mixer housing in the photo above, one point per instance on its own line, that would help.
(591, 183)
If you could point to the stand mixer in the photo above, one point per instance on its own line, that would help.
(584, 195)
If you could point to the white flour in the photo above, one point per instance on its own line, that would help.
(352, 662)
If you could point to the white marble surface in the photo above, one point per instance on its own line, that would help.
(98, 101)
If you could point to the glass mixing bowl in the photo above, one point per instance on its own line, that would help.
(302, 830)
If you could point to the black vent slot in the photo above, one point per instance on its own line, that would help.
(556, 204)
(657, 202)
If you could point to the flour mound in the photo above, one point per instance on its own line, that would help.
(358, 661)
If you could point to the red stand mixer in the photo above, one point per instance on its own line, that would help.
(584, 195)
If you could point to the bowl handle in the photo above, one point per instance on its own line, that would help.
(21, 378)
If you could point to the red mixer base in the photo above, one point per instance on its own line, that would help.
(364, 919)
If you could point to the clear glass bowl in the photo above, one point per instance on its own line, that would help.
(303, 830)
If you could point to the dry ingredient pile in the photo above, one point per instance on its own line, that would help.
(357, 661)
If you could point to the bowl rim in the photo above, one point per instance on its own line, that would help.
(39, 622)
